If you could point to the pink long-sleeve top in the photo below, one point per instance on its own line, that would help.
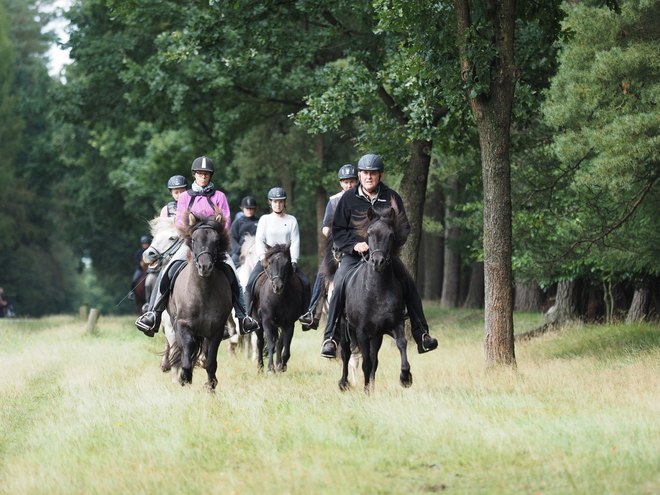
(201, 206)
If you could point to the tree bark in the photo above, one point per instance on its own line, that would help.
(430, 271)
(639, 307)
(451, 282)
(413, 193)
(492, 112)
(529, 298)
(475, 297)
(321, 197)
(565, 307)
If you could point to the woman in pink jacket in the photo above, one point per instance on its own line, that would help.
(201, 199)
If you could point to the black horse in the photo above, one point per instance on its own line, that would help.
(374, 298)
(280, 301)
(201, 299)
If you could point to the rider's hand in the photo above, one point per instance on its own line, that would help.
(361, 247)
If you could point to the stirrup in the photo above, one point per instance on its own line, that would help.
(247, 325)
(329, 349)
(148, 330)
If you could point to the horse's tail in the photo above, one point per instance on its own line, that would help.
(330, 262)
(175, 352)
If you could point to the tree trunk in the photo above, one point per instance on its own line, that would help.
(565, 308)
(451, 282)
(430, 271)
(413, 193)
(321, 197)
(529, 298)
(475, 297)
(640, 304)
(492, 112)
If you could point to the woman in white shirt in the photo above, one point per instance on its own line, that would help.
(278, 227)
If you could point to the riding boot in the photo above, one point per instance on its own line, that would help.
(246, 324)
(149, 322)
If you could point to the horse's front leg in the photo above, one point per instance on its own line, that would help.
(284, 347)
(345, 350)
(271, 337)
(187, 344)
(212, 361)
(405, 378)
(370, 373)
(260, 348)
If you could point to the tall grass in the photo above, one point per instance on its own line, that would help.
(94, 414)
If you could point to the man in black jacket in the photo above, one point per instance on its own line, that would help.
(353, 205)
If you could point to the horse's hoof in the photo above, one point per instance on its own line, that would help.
(165, 366)
(344, 386)
(209, 387)
(271, 372)
(406, 380)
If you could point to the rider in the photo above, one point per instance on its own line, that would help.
(177, 185)
(245, 224)
(202, 199)
(347, 179)
(278, 227)
(352, 206)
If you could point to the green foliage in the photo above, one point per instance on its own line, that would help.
(37, 269)
(593, 208)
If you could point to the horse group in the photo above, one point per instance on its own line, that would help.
(200, 304)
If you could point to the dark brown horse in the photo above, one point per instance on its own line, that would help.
(374, 299)
(281, 300)
(201, 299)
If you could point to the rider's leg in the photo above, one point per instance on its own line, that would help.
(160, 296)
(309, 319)
(418, 325)
(249, 289)
(246, 324)
(329, 348)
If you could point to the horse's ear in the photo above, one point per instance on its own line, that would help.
(267, 246)
(288, 246)
(191, 218)
(391, 213)
(370, 213)
(219, 218)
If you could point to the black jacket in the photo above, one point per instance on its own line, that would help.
(240, 227)
(352, 206)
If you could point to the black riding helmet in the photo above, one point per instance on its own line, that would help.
(202, 164)
(177, 181)
(248, 202)
(347, 172)
(276, 193)
(145, 240)
(371, 162)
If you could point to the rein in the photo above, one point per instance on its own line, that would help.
(369, 260)
(165, 256)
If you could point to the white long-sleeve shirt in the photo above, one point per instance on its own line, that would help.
(274, 229)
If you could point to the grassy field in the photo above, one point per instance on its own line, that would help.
(94, 414)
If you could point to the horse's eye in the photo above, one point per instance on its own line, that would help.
(172, 238)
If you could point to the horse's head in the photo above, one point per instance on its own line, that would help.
(208, 240)
(277, 264)
(248, 251)
(386, 231)
(166, 241)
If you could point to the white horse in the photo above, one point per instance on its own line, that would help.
(166, 243)
(248, 261)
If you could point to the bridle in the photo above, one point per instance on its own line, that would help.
(164, 257)
(192, 246)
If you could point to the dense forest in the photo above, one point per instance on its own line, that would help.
(524, 139)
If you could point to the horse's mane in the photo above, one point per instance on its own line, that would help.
(217, 223)
(159, 224)
(389, 214)
(277, 248)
